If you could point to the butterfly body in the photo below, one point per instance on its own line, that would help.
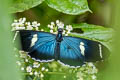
(59, 38)
(72, 51)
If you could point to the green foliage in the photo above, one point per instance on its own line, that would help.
(94, 32)
(113, 71)
(73, 7)
(53, 70)
(8, 69)
(22, 5)
(82, 30)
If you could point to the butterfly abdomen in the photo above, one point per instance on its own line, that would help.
(59, 38)
(57, 51)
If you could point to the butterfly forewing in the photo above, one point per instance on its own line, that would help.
(39, 45)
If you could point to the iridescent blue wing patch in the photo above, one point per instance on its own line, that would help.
(75, 51)
(39, 45)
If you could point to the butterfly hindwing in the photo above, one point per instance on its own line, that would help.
(39, 45)
(75, 51)
(70, 53)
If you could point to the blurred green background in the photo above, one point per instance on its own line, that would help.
(44, 14)
(105, 13)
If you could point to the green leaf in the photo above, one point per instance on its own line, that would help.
(73, 7)
(94, 32)
(22, 5)
(8, 67)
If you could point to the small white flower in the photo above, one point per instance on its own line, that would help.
(15, 21)
(36, 65)
(22, 68)
(41, 75)
(42, 29)
(63, 31)
(35, 24)
(83, 65)
(52, 23)
(36, 28)
(22, 20)
(19, 28)
(90, 64)
(22, 28)
(93, 71)
(26, 60)
(43, 68)
(57, 21)
(29, 27)
(60, 25)
(69, 28)
(51, 31)
(28, 23)
(31, 73)
(93, 77)
(29, 69)
(38, 24)
(46, 70)
(35, 73)
(51, 26)
(15, 25)
(22, 55)
(19, 24)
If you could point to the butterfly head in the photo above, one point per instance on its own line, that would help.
(60, 30)
(59, 37)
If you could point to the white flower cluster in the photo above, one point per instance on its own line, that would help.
(35, 68)
(21, 24)
(87, 70)
(54, 26)
(32, 70)
(36, 65)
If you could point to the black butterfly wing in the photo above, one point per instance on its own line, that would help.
(76, 51)
(70, 54)
(39, 45)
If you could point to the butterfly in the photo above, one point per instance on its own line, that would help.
(68, 50)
